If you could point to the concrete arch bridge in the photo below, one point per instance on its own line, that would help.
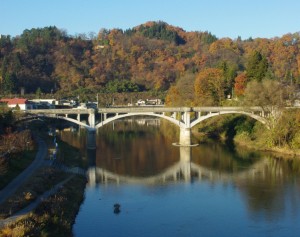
(184, 117)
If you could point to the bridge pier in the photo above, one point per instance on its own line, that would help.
(92, 119)
(185, 137)
(91, 138)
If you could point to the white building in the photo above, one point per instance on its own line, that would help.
(13, 103)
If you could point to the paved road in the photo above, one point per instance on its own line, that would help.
(9, 190)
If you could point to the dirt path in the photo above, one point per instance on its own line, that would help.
(21, 179)
(39, 160)
(22, 213)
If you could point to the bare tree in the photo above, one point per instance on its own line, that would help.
(272, 96)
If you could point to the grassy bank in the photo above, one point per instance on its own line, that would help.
(70, 156)
(283, 137)
(55, 215)
(41, 181)
(13, 165)
(244, 140)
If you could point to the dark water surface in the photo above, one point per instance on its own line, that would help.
(164, 190)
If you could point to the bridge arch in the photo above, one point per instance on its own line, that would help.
(210, 115)
(119, 116)
(28, 118)
(40, 116)
(71, 120)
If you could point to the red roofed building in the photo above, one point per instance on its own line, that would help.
(12, 103)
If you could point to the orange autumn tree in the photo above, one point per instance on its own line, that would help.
(209, 87)
(240, 84)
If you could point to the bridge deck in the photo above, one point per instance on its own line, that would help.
(144, 109)
(60, 111)
(141, 109)
(224, 109)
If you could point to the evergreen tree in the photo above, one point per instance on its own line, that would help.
(38, 92)
(7, 84)
(159, 30)
(4, 66)
(256, 67)
(229, 74)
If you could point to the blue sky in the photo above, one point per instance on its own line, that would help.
(223, 18)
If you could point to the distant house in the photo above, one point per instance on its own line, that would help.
(296, 103)
(153, 102)
(149, 102)
(43, 103)
(22, 103)
(140, 102)
(97, 47)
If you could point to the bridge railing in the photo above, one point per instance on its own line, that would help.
(60, 111)
(144, 109)
(218, 109)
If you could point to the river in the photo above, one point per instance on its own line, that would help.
(165, 190)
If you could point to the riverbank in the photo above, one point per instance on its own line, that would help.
(17, 152)
(282, 139)
(246, 143)
(284, 152)
(11, 168)
(55, 215)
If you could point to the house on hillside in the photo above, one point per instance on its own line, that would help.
(149, 102)
(13, 103)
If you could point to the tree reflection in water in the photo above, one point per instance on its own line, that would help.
(131, 152)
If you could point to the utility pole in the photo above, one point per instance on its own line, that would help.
(97, 101)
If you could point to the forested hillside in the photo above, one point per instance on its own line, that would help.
(194, 67)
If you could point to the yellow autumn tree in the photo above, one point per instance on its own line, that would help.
(209, 87)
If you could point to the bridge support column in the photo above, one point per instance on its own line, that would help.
(92, 119)
(91, 156)
(91, 139)
(186, 117)
(185, 137)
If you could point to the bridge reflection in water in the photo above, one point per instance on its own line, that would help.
(154, 181)
(126, 156)
(184, 170)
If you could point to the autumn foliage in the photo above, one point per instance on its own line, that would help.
(153, 56)
(209, 87)
(240, 84)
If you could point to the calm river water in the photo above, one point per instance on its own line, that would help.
(164, 190)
